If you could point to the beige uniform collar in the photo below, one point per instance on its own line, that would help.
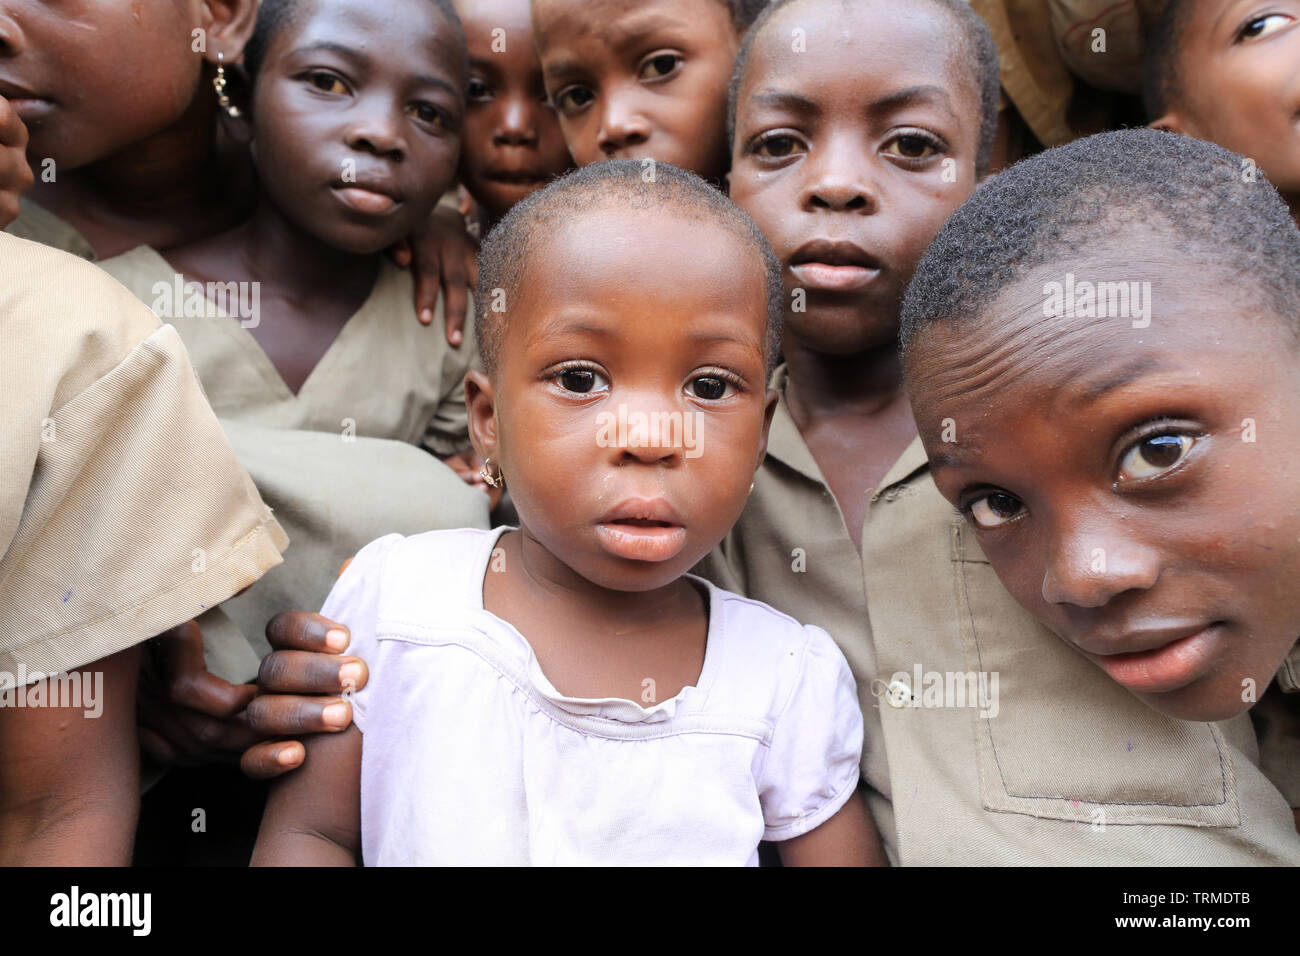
(787, 446)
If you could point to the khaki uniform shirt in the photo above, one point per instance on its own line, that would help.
(342, 461)
(1066, 768)
(123, 511)
(38, 224)
(384, 376)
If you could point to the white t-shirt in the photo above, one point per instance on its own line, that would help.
(470, 756)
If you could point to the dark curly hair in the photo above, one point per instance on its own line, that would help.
(1079, 198)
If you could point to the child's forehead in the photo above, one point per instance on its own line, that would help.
(622, 21)
(881, 46)
(489, 15)
(356, 24)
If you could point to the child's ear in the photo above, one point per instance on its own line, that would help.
(227, 26)
(1172, 122)
(480, 403)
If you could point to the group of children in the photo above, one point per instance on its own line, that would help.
(1017, 591)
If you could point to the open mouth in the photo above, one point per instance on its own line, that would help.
(642, 530)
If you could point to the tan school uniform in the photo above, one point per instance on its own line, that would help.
(342, 462)
(123, 511)
(38, 224)
(1067, 768)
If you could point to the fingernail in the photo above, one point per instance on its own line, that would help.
(335, 639)
(426, 316)
(349, 674)
(455, 338)
(335, 715)
(288, 755)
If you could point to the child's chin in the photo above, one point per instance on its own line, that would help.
(1200, 704)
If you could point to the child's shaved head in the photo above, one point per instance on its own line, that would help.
(615, 184)
(1065, 203)
(976, 47)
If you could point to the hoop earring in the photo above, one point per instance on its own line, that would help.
(494, 481)
(219, 84)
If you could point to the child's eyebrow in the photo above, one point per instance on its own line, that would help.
(786, 100)
(1125, 375)
(627, 32)
(364, 62)
(935, 95)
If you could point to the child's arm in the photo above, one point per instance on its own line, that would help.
(847, 839)
(313, 817)
(69, 776)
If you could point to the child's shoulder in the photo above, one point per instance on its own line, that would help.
(768, 652)
(404, 572)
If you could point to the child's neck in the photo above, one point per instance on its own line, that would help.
(170, 189)
(853, 414)
(593, 642)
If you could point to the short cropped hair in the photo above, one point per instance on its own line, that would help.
(1072, 201)
(612, 184)
(978, 51)
(1162, 73)
(274, 15)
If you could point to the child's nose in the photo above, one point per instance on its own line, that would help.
(11, 36)
(1090, 564)
(379, 133)
(621, 125)
(838, 179)
(517, 125)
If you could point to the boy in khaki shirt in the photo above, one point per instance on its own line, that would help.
(123, 513)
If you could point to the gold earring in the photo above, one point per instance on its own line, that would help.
(495, 481)
(219, 84)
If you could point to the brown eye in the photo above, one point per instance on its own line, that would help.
(659, 66)
(476, 89)
(995, 509)
(1154, 455)
(709, 387)
(580, 380)
(778, 147)
(911, 147)
(327, 82)
(574, 98)
(1262, 26)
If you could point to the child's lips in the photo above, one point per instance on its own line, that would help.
(833, 278)
(641, 541)
(642, 529)
(365, 200)
(1167, 667)
(30, 107)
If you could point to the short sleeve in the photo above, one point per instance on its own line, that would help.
(354, 603)
(447, 433)
(812, 764)
(123, 511)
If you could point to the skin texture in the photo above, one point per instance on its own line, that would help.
(827, 147)
(356, 115)
(123, 106)
(1113, 531)
(1240, 65)
(512, 143)
(69, 783)
(635, 80)
(602, 615)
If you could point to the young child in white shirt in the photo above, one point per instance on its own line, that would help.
(565, 692)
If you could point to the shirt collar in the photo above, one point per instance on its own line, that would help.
(786, 445)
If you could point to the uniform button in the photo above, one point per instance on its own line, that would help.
(898, 694)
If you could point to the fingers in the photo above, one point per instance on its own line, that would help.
(187, 682)
(272, 758)
(428, 276)
(282, 715)
(400, 252)
(12, 130)
(304, 631)
(308, 672)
